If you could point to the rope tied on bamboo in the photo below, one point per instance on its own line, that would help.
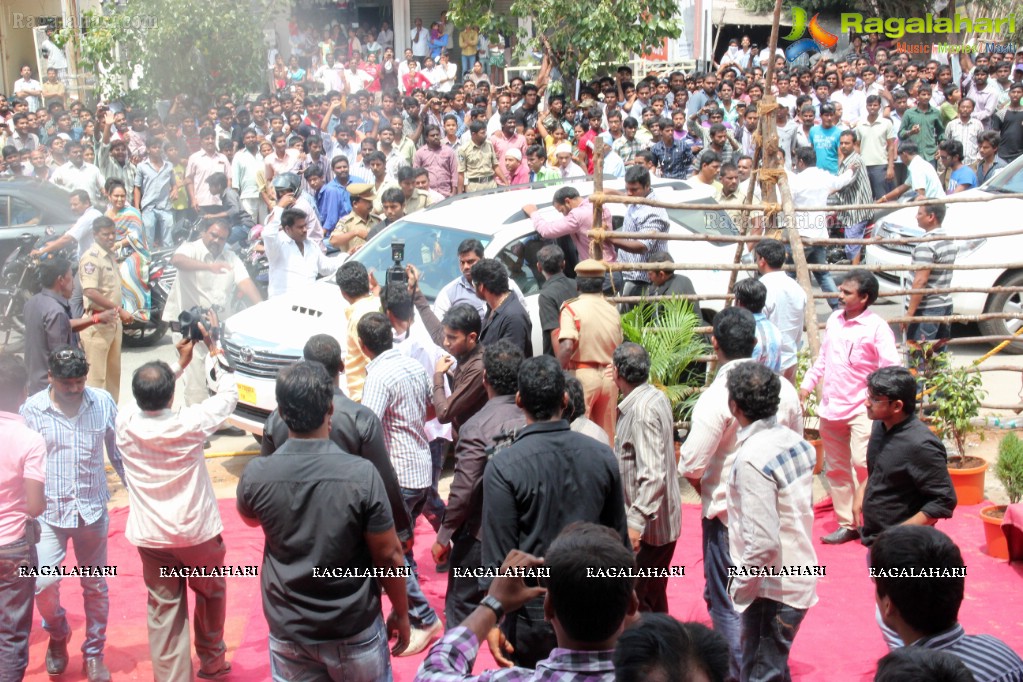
(764, 108)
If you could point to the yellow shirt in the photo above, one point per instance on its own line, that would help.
(355, 359)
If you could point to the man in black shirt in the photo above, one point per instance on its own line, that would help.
(460, 533)
(907, 473)
(353, 428)
(556, 290)
(330, 543)
(547, 478)
(506, 317)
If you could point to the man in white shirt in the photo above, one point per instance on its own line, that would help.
(245, 167)
(419, 38)
(173, 516)
(707, 456)
(854, 102)
(208, 276)
(386, 36)
(80, 234)
(786, 302)
(295, 260)
(29, 89)
(55, 58)
(770, 517)
(811, 186)
(920, 176)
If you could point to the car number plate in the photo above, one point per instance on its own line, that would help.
(246, 394)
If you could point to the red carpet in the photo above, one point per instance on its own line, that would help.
(838, 641)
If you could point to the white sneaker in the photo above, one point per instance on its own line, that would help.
(420, 638)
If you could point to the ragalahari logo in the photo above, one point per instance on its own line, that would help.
(819, 37)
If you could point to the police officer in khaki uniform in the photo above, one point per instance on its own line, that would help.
(478, 164)
(101, 288)
(590, 331)
(353, 230)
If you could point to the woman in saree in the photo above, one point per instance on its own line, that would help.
(132, 250)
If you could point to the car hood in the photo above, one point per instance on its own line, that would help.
(994, 216)
(297, 315)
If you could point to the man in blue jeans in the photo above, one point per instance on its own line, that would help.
(397, 389)
(22, 476)
(76, 422)
(330, 545)
(154, 183)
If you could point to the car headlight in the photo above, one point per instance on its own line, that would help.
(969, 246)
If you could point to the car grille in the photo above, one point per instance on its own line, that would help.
(256, 363)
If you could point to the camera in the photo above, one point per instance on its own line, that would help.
(188, 324)
(396, 273)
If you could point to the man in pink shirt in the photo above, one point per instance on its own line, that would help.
(440, 162)
(507, 138)
(856, 342)
(576, 221)
(201, 166)
(22, 477)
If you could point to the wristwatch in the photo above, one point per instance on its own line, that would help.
(494, 604)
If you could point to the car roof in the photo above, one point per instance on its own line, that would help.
(495, 210)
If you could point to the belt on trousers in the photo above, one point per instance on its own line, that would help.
(482, 178)
(587, 365)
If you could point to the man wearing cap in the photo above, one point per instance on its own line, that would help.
(565, 165)
(352, 230)
(478, 163)
(590, 330)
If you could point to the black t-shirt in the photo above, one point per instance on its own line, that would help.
(1009, 124)
(555, 291)
(315, 503)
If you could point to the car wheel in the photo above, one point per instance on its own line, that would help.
(1009, 303)
(140, 338)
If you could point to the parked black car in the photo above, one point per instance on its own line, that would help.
(30, 207)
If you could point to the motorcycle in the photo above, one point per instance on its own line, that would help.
(19, 281)
(147, 332)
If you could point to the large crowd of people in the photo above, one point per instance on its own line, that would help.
(564, 509)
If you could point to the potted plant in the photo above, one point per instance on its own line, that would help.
(1009, 471)
(811, 422)
(668, 332)
(957, 392)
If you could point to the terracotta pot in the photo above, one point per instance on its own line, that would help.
(997, 544)
(968, 482)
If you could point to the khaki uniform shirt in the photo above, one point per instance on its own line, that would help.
(417, 202)
(98, 269)
(595, 324)
(352, 222)
(477, 161)
(355, 359)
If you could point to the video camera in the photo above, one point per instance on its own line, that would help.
(188, 324)
(396, 273)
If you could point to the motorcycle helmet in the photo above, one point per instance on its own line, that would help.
(286, 182)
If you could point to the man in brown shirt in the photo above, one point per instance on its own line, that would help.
(591, 329)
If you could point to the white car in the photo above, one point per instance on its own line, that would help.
(995, 216)
(261, 340)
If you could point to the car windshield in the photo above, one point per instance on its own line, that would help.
(1009, 180)
(703, 222)
(432, 249)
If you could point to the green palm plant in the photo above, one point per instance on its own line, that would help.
(668, 332)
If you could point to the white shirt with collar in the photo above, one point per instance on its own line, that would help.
(291, 268)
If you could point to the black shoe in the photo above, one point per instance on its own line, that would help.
(841, 536)
(207, 445)
(443, 568)
(216, 674)
(95, 670)
(231, 431)
(56, 656)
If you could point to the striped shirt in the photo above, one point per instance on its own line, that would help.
(856, 192)
(76, 481)
(397, 389)
(453, 656)
(626, 148)
(935, 253)
(988, 658)
(640, 218)
(769, 343)
(770, 515)
(645, 450)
